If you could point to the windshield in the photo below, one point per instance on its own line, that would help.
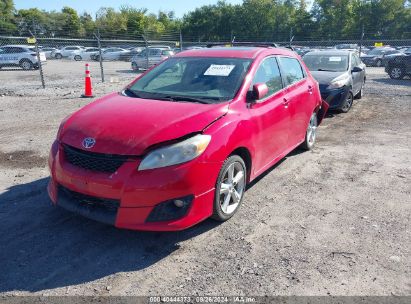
(193, 79)
(323, 62)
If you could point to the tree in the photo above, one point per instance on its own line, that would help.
(7, 22)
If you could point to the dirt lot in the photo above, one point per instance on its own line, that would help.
(332, 221)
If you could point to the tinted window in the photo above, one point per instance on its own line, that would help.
(269, 73)
(292, 70)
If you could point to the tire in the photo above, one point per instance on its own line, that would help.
(310, 134)
(135, 67)
(77, 58)
(26, 64)
(228, 198)
(396, 72)
(378, 63)
(58, 56)
(347, 104)
(360, 94)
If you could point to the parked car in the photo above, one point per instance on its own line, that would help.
(375, 56)
(48, 51)
(398, 67)
(23, 56)
(155, 56)
(132, 52)
(84, 54)
(182, 141)
(112, 53)
(340, 74)
(390, 55)
(66, 51)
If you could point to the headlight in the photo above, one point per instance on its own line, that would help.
(339, 82)
(176, 154)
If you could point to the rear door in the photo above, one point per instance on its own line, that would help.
(269, 116)
(299, 98)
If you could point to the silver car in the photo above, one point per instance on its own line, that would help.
(47, 51)
(113, 53)
(149, 57)
(84, 54)
(20, 55)
(66, 51)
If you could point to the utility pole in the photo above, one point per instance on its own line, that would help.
(100, 57)
(38, 60)
(362, 38)
(181, 41)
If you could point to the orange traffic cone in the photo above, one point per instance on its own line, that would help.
(88, 90)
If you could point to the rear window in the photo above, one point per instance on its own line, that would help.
(292, 70)
(326, 62)
(167, 53)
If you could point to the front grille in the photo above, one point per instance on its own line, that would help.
(88, 200)
(99, 162)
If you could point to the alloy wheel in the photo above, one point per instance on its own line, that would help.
(232, 188)
(312, 130)
(396, 73)
(347, 103)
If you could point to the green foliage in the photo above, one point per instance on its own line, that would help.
(253, 20)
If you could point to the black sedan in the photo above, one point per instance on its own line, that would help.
(399, 67)
(340, 74)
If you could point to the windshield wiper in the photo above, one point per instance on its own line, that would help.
(129, 92)
(189, 99)
(325, 70)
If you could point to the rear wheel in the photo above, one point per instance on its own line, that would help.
(26, 64)
(347, 104)
(230, 188)
(378, 63)
(311, 133)
(77, 58)
(58, 56)
(135, 67)
(396, 73)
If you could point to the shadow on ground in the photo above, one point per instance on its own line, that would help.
(45, 247)
(401, 82)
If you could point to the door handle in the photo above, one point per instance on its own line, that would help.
(285, 102)
(310, 89)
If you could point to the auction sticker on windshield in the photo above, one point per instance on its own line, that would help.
(335, 59)
(219, 70)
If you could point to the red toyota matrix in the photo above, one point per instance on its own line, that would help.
(181, 142)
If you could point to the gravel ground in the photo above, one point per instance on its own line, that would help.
(333, 221)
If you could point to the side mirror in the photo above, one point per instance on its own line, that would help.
(356, 69)
(260, 90)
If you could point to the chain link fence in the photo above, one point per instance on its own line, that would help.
(59, 62)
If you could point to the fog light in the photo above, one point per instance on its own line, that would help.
(179, 203)
(170, 210)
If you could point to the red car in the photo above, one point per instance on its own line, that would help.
(181, 142)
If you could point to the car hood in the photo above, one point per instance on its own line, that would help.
(325, 77)
(128, 126)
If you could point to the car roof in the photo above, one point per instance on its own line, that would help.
(235, 52)
(332, 52)
(18, 45)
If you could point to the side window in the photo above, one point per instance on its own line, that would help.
(269, 73)
(292, 70)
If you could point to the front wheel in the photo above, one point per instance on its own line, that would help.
(347, 104)
(311, 133)
(396, 73)
(230, 188)
(77, 58)
(58, 56)
(26, 64)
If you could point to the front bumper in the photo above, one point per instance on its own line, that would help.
(137, 192)
(335, 97)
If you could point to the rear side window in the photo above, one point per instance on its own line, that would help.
(291, 70)
(269, 73)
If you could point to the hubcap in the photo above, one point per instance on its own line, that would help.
(396, 73)
(26, 65)
(348, 103)
(232, 188)
(312, 130)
